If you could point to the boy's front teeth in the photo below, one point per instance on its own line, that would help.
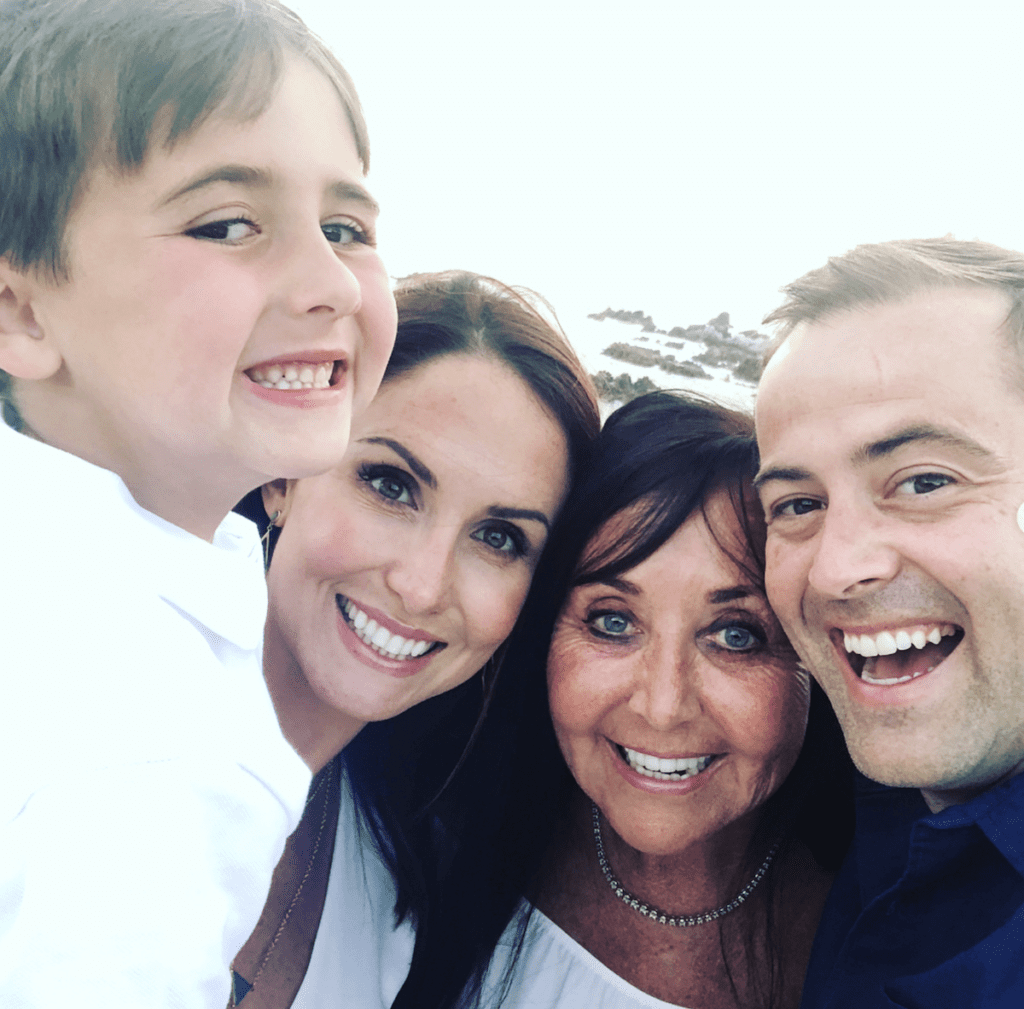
(298, 375)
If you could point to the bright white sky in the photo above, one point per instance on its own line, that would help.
(684, 158)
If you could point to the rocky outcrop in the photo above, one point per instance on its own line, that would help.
(645, 322)
(621, 389)
(738, 353)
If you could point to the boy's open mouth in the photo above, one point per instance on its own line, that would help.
(897, 655)
(298, 374)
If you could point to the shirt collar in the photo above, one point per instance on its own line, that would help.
(220, 584)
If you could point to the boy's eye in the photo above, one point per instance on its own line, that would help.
(344, 233)
(232, 230)
(923, 483)
(502, 539)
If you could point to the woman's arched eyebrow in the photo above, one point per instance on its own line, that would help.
(418, 467)
(499, 512)
(731, 595)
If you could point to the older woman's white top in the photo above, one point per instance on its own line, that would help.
(361, 958)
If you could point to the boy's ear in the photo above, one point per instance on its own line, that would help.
(25, 352)
(277, 496)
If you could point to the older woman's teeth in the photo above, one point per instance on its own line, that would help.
(665, 768)
(293, 376)
(380, 639)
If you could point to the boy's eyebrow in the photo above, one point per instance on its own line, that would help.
(260, 178)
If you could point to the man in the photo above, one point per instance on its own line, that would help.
(891, 425)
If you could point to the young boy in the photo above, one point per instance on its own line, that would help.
(191, 304)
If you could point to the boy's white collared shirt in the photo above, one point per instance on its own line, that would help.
(146, 789)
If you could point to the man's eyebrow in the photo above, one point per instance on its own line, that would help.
(260, 178)
(788, 474)
(921, 433)
(501, 512)
(419, 468)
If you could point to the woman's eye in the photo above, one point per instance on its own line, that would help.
(230, 231)
(737, 638)
(610, 625)
(344, 233)
(391, 488)
(500, 539)
(923, 483)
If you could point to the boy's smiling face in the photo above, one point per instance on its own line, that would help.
(246, 248)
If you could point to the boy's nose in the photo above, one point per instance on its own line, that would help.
(318, 281)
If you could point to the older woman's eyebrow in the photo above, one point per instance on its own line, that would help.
(418, 467)
(730, 595)
(500, 512)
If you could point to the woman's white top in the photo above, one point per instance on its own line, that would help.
(360, 960)
(145, 788)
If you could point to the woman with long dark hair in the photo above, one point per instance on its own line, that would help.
(394, 579)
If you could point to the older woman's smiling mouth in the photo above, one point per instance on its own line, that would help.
(374, 633)
(664, 768)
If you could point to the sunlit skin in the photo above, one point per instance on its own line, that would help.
(892, 448)
(433, 524)
(680, 659)
(244, 243)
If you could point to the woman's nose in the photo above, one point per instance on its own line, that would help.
(422, 573)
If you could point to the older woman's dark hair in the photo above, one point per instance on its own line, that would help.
(663, 456)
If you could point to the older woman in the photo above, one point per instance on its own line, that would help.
(394, 578)
(670, 831)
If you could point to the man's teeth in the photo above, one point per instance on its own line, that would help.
(380, 639)
(665, 768)
(298, 375)
(890, 642)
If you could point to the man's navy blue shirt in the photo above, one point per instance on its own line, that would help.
(928, 909)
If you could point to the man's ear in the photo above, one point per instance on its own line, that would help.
(277, 496)
(25, 351)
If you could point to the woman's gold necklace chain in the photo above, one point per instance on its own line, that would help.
(656, 914)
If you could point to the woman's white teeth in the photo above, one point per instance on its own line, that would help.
(380, 639)
(298, 375)
(665, 768)
(890, 642)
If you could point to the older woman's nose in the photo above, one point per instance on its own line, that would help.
(667, 689)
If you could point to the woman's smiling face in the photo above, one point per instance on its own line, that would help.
(398, 573)
(676, 703)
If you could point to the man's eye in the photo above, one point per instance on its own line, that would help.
(797, 506)
(923, 483)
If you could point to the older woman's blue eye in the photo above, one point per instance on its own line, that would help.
(737, 638)
(611, 624)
